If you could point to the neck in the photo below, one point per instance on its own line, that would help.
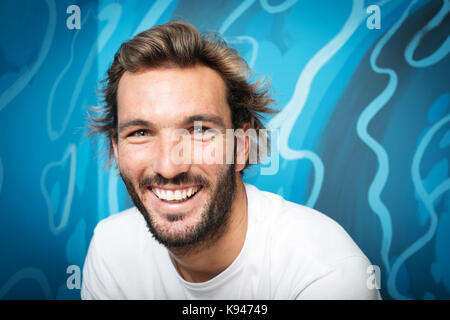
(206, 263)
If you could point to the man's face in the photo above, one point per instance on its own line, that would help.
(183, 202)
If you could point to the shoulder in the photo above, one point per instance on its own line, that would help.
(349, 278)
(316, 234)
(311, 253)
(120, 231)
(113, 252)
(129, 220)
(302, 228)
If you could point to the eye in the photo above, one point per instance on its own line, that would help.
(204, 133)
(139, 133)
(199, 130)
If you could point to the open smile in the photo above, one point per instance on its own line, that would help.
(175, 195)
(179, 201)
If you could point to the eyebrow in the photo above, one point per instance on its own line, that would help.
(206, 118)
(191, 119)
(134, 123)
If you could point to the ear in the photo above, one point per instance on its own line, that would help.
(242, 149)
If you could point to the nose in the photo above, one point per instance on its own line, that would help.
(169, 161)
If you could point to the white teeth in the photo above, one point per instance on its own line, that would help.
(169, 195)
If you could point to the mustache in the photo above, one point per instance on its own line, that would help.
(181, 179)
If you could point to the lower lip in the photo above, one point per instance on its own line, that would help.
(178, 208)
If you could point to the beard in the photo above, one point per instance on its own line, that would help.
(214, 217)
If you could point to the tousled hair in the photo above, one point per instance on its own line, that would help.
(179, 44)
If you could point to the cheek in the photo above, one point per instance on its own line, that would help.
(218, 151)
(134, 160)
(212, 172)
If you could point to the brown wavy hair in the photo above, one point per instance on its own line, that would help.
(179, 44)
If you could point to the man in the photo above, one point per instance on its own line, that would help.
(197, 231)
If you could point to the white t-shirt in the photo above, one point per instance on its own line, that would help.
(290, 252)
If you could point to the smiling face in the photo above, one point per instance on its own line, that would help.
(183, 202)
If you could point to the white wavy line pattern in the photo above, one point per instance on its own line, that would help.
(153, 15)
(235, 15)
(28, 273)
(426, 198)
(9, 94)
(278, 8)
(441, 52)
(111, 13)
(381, 176)
(286, 119)
(52, 133)
(70, 155)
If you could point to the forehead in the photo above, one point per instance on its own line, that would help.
(166, 95)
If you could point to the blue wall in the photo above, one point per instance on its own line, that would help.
(364, 127)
